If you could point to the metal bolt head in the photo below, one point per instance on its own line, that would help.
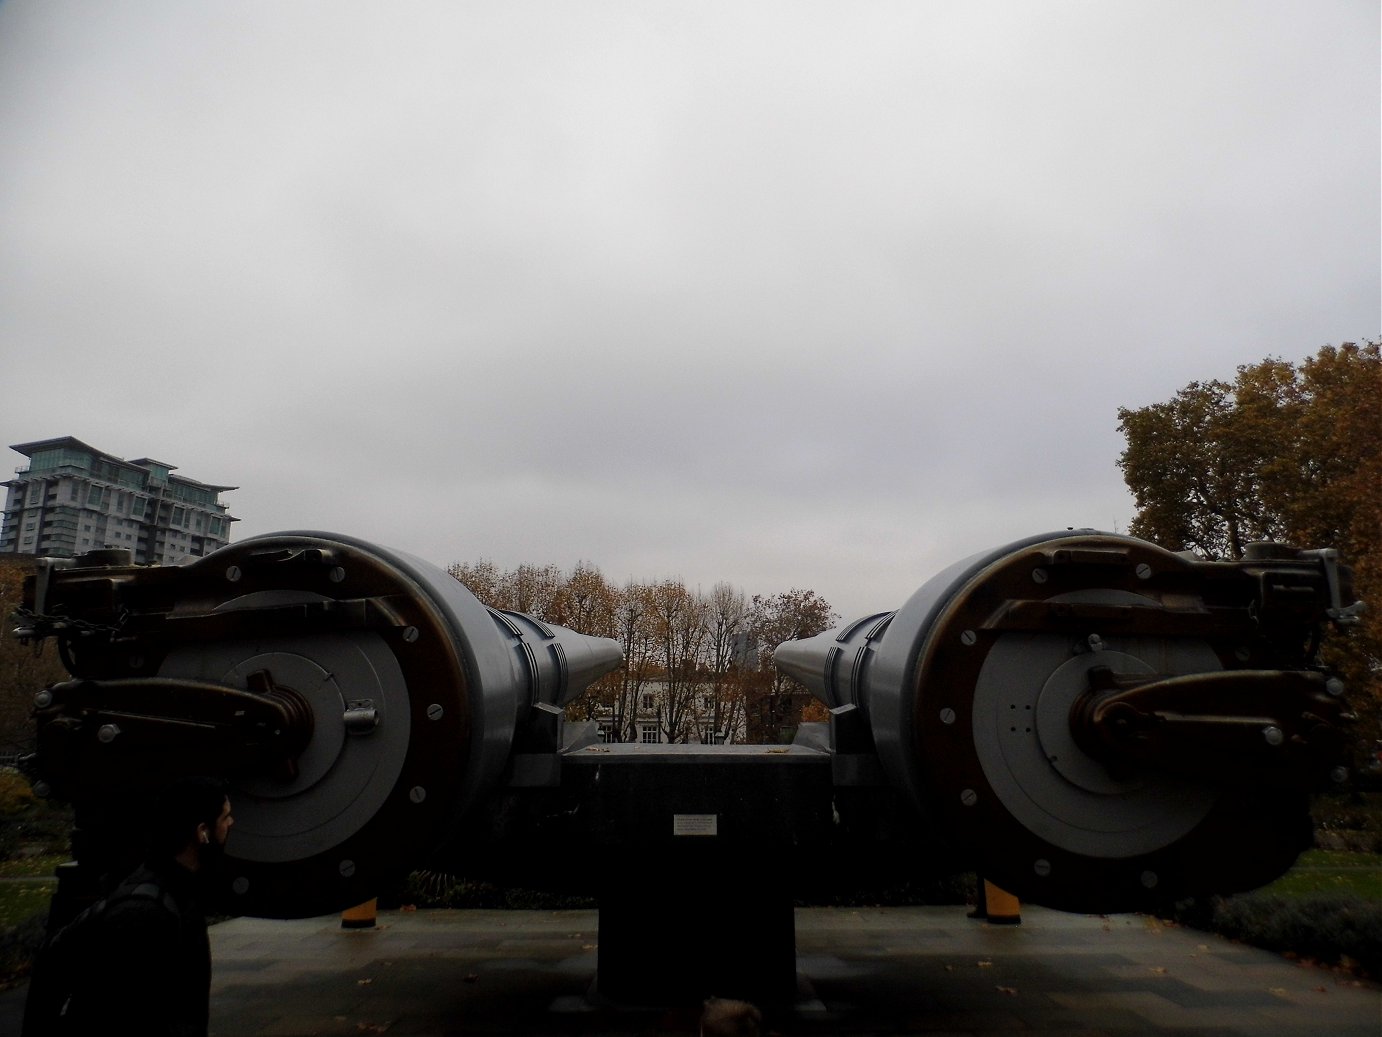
(107, 733)
(233, 573)
(1339, 775)
(1042, 867)
(1150, 879)
(336, 575)
(969, 797)
(968, 637)
(1039, 575)
(43, 699)
(346, 868)
(241, 885)
(42, 789)
(1273, 735)
(1144, 571)
(417, 793)
(435, 712)
(1243, 654)
(947, 715)
(1334, 686)
(410, 634)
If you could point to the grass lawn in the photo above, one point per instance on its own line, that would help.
(1331, 871)
(20, 900)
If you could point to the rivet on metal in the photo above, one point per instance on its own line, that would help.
(241, 885)
(434, 711)
(1243, 654)
(410, 634)
(1144, 571)
(947, 715)
(1038, 575)
(969, 797)
(1339, 775)
(1273, 734)
(136, 662)
(107, 733)
(233, 573)
(42, 789)
(1042, 867)
(1334, 686)
(968, 637)
(337, 574)
(417, 793)
(1095, 643)
(43, 699)
(347, 869)
(1149, 879)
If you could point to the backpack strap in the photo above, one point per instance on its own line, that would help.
(153, 891)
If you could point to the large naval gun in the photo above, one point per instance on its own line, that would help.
(1087, 720)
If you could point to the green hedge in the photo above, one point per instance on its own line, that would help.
(1329, 928)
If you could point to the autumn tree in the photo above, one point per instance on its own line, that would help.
(779, 703)
(696, 661)
(1287, 452)
(633, 629)
(24, 669)
(726, 656)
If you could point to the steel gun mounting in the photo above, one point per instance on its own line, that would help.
(1090, 721)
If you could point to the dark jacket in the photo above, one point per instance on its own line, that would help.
(154, 960)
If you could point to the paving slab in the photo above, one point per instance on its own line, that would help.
(861, 971)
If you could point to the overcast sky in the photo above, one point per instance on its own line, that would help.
(786, 295)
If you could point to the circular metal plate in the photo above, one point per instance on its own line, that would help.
(1021, 725)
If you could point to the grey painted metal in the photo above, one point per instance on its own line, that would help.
(514, 664)
(871, 663)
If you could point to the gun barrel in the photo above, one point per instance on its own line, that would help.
(1097, 721)
(361, 700)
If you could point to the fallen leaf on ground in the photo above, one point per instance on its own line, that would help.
(1011, 991)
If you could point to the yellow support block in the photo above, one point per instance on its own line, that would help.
(1000, 906)
(361, 916)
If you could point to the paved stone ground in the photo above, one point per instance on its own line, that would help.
(865, 971)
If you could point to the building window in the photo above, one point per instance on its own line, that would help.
(648, 733)
(604, 732)
(647, 701)
(94, 496)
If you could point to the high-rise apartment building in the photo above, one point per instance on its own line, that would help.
(73, 498)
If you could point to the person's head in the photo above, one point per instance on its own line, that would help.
(191, 820)
(725, 1018)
